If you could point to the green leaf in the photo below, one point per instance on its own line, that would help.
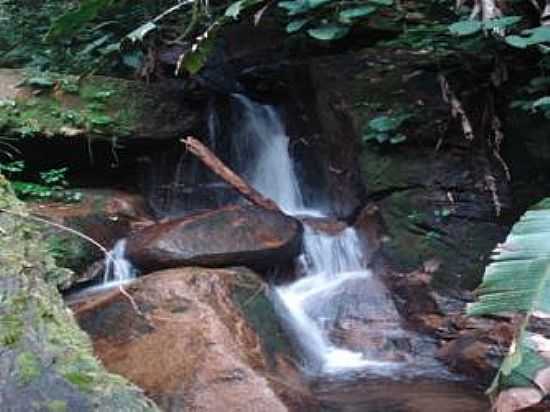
(381, 2)
(517, 281)
(235, 9)
(346, 16)
(465, 27)
(388, 123)
(543, 102)
(195, 58)
(328, 32)
(533, 36)
(100, 119)
(517, 41)
(294, 7)
(313, 4)
(139, 34)
(296, 25)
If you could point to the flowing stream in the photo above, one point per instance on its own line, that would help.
(336, 285)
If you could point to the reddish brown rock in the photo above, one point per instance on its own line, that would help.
(231, 236)
(178, 335)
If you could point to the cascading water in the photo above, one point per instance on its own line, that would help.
(118, 269)
(315, 306)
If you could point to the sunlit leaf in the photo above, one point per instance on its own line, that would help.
(348, 15)
(328, 32)
(465, 27)
(381, 2)
(296, 25)
(518, 282)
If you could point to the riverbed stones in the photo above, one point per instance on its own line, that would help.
(231, 236)
(179, 335)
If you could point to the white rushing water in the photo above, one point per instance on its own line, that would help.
(118, 269)
(331, 264)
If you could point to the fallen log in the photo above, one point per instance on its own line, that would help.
(229, 176)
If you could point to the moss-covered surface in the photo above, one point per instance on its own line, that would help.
(47, 362)
(431, 188)
(48, 105)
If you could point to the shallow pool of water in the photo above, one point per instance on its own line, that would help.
(386, 395)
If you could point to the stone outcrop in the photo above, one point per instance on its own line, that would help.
(231, 236)
(46, 361)
(96, 106)
(180, 335)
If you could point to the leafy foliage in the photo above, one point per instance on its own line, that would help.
(327, 20)
(387, 128)
(518, 282)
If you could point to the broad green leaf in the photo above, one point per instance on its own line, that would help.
(517, 281)
(313, 4)
(100, 119)
(294, 7)
(517, 41)
(543, 102)
(195, 58)
(296, 25)
(465, 27)
(387, 123)
(328, 32)
(346, 16)
(381, 2)
(534, 36)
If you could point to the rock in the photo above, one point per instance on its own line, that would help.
(230, 236)
(478, 347)
(104, 215)
(180, 336)
(46, 361)
(96, 106)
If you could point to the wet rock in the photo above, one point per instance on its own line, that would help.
(46, 361)
(103, 215)
(478, 347)
(233, 235)
(180, 336)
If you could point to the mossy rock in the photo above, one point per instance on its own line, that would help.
(47, 362)
(50, 105)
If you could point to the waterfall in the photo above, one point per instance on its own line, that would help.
(333, 266)
(260, 148)
(118, 269)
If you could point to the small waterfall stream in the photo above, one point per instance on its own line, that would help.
(331, 264)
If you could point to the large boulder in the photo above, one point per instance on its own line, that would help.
(233, 235)
(180, 335)
(46, 361)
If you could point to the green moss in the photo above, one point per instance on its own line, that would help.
(11, 327)
(95, 107)
(28, 367)
(57, 406)
(32, 311)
